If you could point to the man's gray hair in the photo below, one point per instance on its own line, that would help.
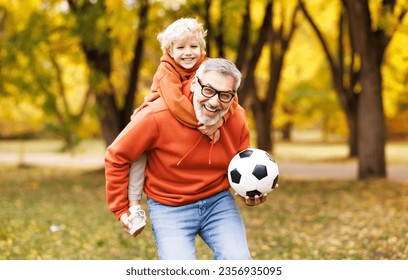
(222, 66)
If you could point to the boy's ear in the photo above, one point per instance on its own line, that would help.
(169, 51)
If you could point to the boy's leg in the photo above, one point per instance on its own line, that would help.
(174, 230)
(224, 229)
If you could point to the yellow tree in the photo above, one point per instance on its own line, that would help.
(370, 41)
(395, 76)
(93, 31)
(358, 84)
(273, 38)
(344, 68)
(35, 46)
(91, 50)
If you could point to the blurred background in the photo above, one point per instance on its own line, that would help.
(325, 86)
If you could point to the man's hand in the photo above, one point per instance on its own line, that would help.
(252, 201)
(127, 225)
(256, 200)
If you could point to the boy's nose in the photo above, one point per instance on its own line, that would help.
(188, 50)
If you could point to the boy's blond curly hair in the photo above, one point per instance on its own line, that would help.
(180, 30)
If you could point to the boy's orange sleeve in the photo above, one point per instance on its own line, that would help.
(176, 96)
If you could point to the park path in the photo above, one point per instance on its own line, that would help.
(336, 171)
(295, 170)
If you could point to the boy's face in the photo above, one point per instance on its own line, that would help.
(186, 53)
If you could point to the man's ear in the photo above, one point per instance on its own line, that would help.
(193, 81)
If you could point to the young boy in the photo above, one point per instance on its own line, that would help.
(183, 47)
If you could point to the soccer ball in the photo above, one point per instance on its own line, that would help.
(253, 172)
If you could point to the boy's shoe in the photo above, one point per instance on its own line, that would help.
(137, 218)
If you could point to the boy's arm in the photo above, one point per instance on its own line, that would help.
(176, 95)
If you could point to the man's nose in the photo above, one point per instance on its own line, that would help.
(214, 101)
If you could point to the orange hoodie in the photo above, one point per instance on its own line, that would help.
(168, 82)
(178, 171)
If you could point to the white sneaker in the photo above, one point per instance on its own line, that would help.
(137, 218)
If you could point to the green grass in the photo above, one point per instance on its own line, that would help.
(300, 220)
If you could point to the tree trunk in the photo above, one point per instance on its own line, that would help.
(371, 125)
(109, 116)
(247, 89)
(353, 133)
(287, 128)
(286, 131)
(263, 122)
(278, 41)
(219, 37)
(208, 25)
(109, 119)
(112, 119)
(244, 41)
(135, 65)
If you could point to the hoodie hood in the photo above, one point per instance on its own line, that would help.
(184, 74)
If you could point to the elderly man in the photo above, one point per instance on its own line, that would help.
(186, 182)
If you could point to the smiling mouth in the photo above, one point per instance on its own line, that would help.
(211, 109)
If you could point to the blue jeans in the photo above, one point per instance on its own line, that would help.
(217, 220)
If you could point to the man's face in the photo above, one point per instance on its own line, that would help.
(186, 53)
(210, 110)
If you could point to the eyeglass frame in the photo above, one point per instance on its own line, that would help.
(216, 92)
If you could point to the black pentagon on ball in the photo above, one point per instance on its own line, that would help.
(260, 171)
(253, 193)
(235, 176)
(246, 153)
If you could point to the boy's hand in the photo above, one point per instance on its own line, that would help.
(212, 131)
(127, 225)
(124, 222)
(214, 137)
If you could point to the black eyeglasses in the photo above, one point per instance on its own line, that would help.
(208, 91)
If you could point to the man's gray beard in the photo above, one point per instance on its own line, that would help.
(199, 115)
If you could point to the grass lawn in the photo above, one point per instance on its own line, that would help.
(55, 213)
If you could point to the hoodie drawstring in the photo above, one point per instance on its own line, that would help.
(195, 145)
(189, 151)
(211, 149)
